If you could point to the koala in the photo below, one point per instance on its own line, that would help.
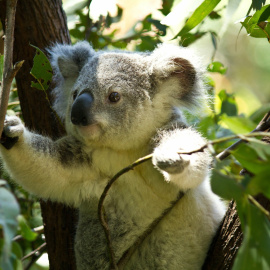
(117, 107)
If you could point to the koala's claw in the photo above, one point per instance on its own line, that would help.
(172, 165)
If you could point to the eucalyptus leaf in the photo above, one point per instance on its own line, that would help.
(189, 38)
(225, 186)
(25, 230)
(41, 71)
(260, 184)
(217, 67)
(249, 159)
(238, 125)
(228, 103)
(199, 14)
(258, 25)
(257, 4)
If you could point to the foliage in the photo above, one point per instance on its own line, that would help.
(221, 120)
(258, 25)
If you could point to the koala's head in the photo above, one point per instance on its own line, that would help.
(119, 99)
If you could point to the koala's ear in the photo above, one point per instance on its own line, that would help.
(68, 59)
(183, 67)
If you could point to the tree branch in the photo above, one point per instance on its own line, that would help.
(9, 71)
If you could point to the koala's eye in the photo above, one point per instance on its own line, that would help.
(75, 94)
(114, 97)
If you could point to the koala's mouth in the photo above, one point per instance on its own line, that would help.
(92, 130)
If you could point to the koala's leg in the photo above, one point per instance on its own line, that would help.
(46, 168)
(185, 170)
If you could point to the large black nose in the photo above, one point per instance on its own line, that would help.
(80, 111)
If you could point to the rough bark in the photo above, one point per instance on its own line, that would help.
(226, 243)
(42, 23)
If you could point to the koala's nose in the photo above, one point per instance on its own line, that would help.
(80, 111)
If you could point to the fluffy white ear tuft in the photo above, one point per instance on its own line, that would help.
(182, 65)
(68, 60)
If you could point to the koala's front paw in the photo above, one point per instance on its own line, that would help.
(13, 129)
(171, 163)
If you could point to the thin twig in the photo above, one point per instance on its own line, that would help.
(259, 206)
(40, 249)
(101, 211)
(36, 256)
(9, 71)
(122, 262)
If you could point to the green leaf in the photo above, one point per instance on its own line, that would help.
(225, 186)
(258, 114)
(260, 184)
(258, 25)
(217, 67)
(254, 251)
(249, 159)
(214, 15)
(9, 210)
(41, 71)
(166, 7)
(261, 15)
(199, 14)
(257, 4)
(162, 29)
(262, 148)
(228, 104)
(238, 125)
(25, 230)
(189, 38)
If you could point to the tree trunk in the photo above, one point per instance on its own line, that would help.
(42, 23)
(226, 243)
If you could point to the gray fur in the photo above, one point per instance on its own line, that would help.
(153, 89)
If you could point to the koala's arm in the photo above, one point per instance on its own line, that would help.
(57, 170)
(187, 171)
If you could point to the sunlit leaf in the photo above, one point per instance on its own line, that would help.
(258, 25)
(199, 14)
(238, 125)
(41, 71)
(217, 67)
(25, 230)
